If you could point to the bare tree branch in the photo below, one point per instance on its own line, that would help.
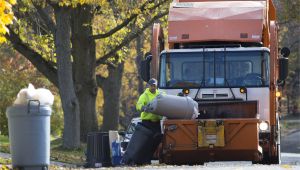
(158, 4)
(53, 4)
(114, 30)
(132, 35)
(119, 27)
(36, 59)
(46, 18)
(127, 21)
(294, 43)
(100, 79)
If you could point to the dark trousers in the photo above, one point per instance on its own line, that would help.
(153, 126)
(156, 129)
(143, 143)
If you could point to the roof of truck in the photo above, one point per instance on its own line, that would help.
(219, 49)
(240, 21)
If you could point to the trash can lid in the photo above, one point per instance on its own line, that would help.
(25, 110)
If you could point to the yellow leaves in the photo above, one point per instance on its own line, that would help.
(6, 17)
(13, 2)
(2, 39)
(82, 1)
(3, 29)
(136, 11)
(74, 3)
(4, 167)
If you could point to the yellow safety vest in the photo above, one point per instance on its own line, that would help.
(144, 99)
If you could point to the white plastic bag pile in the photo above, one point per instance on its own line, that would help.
(44, 96)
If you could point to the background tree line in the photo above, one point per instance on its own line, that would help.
(87, 53)
(80, 46)
(289, 34)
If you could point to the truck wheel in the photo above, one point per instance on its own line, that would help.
(276, 159)
(266, 158)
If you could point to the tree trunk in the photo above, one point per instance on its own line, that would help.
(111, 92)
(71, 134)
(83, 51)
(139, 57)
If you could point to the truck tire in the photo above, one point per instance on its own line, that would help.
(277, 158)
(267, 157)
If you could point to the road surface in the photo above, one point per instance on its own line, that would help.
(291, 142)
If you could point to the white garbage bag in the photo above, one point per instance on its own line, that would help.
(44, 96)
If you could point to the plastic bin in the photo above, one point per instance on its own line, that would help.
(139, 149)
(116, 156)
(29, 135)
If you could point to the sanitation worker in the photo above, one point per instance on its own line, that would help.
(149, 120)
(147, 135)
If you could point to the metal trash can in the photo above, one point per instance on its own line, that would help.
(98, 150)
(29, 135)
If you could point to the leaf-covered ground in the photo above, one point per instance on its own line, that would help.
(58, 153)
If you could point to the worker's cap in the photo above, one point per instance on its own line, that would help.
(152, 81)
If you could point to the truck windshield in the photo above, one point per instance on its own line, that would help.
(214, 69)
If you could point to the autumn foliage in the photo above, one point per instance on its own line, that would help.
(6, 17)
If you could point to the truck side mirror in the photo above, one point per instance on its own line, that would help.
(285, 52)
(145, 68)
(283, 68)
(283, 64)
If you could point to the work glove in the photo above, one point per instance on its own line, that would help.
(144, 108)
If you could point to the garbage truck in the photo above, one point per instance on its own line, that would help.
(225, 56)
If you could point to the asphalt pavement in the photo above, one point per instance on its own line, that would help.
(291, 142)
(290, 139)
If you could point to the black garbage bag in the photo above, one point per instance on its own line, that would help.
(141, 147)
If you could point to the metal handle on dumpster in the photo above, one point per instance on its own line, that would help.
(31, 106)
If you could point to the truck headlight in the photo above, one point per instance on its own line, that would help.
(263, 126)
